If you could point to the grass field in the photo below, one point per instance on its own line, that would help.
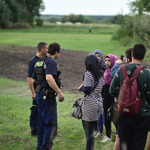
(15, 99)
(73, 41)
(15, 102)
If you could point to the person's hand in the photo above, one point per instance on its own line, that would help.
(80, 87)
(33, 96)
(120, 62)
(61, 96)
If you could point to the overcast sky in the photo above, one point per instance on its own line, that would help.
(86, 7)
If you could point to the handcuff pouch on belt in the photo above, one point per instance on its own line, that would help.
(49, 94)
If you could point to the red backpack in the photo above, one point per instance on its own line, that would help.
(129, 101)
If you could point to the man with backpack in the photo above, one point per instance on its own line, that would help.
(133, 123)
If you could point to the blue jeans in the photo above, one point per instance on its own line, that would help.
(133, 131)
(101, 122)
(88, 129)
(47, 122)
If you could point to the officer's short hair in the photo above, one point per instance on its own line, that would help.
(41, 45)
(53, 47)
(139, 51)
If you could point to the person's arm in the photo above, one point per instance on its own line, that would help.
(87, 90)
(114, 69)
(31, 86)
(86, 86)
(53, 85)
(115, 85)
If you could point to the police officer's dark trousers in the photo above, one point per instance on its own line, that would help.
(33, 118)
(47, 121)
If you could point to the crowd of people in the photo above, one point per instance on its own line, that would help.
(101, 85)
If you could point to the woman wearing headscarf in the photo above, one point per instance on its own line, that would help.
(110, 60)
(101, 119)
(92, 103)
(101, 59)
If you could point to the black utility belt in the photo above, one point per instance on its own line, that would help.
(39, 88)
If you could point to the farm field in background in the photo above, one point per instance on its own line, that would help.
(72, 37)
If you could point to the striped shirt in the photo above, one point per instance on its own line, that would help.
(92, 104)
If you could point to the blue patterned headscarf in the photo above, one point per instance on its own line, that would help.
(102, 63)
(92, 64)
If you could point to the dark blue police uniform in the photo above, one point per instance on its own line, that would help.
(47, 110)
(34, 112)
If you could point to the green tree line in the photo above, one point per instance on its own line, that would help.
(19, 11)
(84, 19)
(135, 24)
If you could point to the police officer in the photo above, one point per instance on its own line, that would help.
(42, 51)
(46, 97)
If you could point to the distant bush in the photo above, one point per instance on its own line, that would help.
(39, 22)
(134, 26)
(19, 25)
(125, 40)
(129, 25)
(147, 40)
(121, 32)
(141, 26)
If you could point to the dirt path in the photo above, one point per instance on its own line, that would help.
(14, 65)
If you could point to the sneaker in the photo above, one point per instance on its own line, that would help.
(113, 131)
(96, 132)
(105, 139)
(58, 134)
(99, 135)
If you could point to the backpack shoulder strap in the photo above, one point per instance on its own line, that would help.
(43, 58)
(137, 71)
(124, 71)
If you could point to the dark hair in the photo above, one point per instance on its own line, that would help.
(139, 51)
(128, 53)
(121, 57)
(53, 47)
(41, 45)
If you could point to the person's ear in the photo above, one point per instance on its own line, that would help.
(42, 49)
(128, 60)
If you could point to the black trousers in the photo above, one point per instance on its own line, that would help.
(133, 131)
(107, 102)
